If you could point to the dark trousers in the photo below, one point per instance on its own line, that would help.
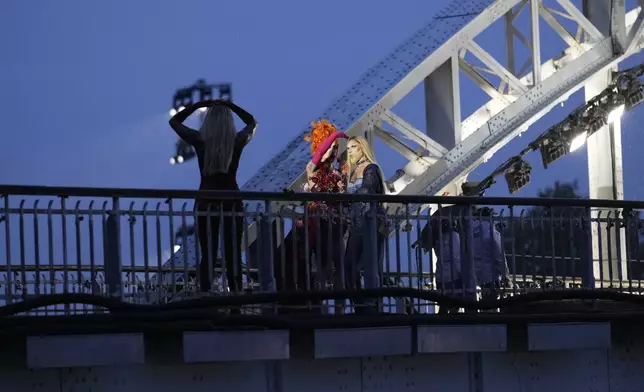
(448, 288)
(359, 258)
(488, 291)
(209, 241)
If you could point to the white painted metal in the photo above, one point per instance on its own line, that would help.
(443, 103)
(535, 41)
(635, 31)
(496, 67)
(387, 83)
(581, 19)
(570, 39)
(435, 149)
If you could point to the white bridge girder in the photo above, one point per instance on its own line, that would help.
(370, 101)
(523, 97)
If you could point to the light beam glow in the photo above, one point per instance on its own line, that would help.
(578, 141)
(615, 114)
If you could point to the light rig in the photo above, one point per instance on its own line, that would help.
(625, 92)
(184, 97)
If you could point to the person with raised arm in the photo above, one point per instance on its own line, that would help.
(219, 147)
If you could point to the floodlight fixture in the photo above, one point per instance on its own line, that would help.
(578, 141)
(625, 92)
(635, 97)
(615, 114)
(552, 149)
(518, 176)
(184, 97)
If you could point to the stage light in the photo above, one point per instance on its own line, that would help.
(181, 108)
(625, 92)
(518, 176)
(176, 248)
(596, 124)
(202, 110)
(180, 159)
(615, 114)
(172, 161)
(635, 97)
(172, 112)
(551, 150)
(578, 141)
(225, 92)
(629, 87)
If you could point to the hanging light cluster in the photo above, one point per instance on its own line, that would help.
(626, 92)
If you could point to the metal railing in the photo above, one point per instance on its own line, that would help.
(142, 246)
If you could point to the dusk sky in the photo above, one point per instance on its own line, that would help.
(86, 86)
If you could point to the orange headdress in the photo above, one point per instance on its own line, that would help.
(321, 130)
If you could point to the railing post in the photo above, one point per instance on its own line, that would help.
(588, 275)
(371, 257)
(112, 244)
(467, 262)
(7, 234)
(265, 237)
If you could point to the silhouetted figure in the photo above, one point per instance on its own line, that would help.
(219, 147)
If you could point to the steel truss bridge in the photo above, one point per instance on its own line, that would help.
(522, 352)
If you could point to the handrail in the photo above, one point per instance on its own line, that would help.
(30, 190)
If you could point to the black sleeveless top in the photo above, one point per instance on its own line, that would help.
(220, 181)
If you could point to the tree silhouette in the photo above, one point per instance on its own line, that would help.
(548, 241)
(555, 241)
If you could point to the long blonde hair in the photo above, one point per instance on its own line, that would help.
(369, 156)
(218, 133)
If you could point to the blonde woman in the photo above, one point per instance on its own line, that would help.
(219, 148)
(367, 232)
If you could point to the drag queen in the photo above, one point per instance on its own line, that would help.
(321, 234)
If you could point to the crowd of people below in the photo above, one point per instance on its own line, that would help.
(350, 251)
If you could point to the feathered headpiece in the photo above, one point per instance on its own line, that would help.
(321, 130)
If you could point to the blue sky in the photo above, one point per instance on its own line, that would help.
(85, 86)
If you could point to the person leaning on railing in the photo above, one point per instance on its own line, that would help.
(219, 147)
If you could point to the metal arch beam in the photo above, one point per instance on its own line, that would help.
(559, 28)
(443, 103)
(535, 41)
(481, 117)
(400, 147)
(383, 86)
(480, 81)
(414, 134)
(502, 127)
(618, 26)
(635, 31)
(583, 22)
(496, 67)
